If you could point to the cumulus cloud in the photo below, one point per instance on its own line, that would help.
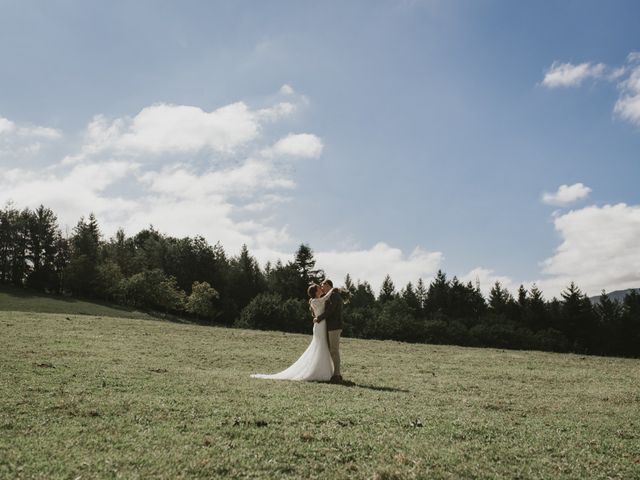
(599, 249)
(208, 176)
(301, 145)
(70, 194)
(569, 75)
(164, 129)
(566, 194)
(375, 263)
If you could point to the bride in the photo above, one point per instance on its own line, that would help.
(315, 363)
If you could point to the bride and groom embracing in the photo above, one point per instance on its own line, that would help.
(321, 360)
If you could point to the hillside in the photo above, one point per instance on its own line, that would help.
(95, 397)
(22, 300)
(617, 295)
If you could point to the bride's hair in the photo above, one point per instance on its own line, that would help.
(311, 291)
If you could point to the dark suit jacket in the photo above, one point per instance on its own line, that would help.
(333, 311)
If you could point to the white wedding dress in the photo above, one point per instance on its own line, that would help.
(315, 363)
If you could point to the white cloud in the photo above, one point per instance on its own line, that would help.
(600, 249)
(276, 112)
(626, 78)
(218, 188)
(566, 194)
(375, 263)
(181, 182)
(487, 279)
(6, 126)
(18, 141)
(301, 145)
(569, 75)
(165, 129)
(72, 194)
(627, 106)
(287, 89)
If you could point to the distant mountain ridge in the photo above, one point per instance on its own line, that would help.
(616, 295)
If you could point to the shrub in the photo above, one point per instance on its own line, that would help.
(268, 311)
(201, 302)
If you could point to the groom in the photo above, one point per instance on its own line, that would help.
(333, 315)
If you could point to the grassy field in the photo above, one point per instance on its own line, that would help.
(20, 300)
(105, 397)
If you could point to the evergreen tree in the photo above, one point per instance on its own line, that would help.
(81, 272)
(499, 299)
(437, 302)
(609, 314)
(410, 297)
(631, 324)
(363, 298)
(576, 318)
(43, 232)
(61, 260)
(536, 316)
(305, 264)
(348, 284)
(522, 297)
(387, 290)
(17, 253)
(246, 278)
(462, 300)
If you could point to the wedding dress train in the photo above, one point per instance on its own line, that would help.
(315, 363)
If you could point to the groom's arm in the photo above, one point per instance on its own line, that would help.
(329, 306)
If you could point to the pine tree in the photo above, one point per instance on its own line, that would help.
(305, 263)
(411, 299)
(387, 291)
(576, 318)
(438, 295)
(631, 323)
(43, 231)
(81, 272)
(609, 313)
(499, 298)
(247, 280)
(536, 315)
(348, 284)
(363, 298)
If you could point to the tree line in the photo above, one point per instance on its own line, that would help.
(190, 277)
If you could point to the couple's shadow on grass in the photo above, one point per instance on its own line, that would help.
(350, 384)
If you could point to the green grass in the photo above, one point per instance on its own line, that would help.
(22, 300)
(104, 397)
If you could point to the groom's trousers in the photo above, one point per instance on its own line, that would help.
(333, 336)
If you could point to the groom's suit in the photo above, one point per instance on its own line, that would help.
(333, 316)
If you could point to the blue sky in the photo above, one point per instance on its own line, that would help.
(416, 135)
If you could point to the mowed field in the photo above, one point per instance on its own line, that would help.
(97, 396)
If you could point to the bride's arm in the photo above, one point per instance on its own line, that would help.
(329, 305)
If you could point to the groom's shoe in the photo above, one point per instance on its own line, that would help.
(336, 379)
